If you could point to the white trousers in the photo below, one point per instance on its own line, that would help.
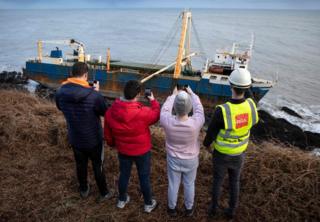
(187, 171)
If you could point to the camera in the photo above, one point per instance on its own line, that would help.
(91, 83)
(182, 87)
(147, 92)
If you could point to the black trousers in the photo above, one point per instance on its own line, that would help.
(96, 155)
(221, 165)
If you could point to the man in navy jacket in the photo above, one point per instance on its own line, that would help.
(82, 106)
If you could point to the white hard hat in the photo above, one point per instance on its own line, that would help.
(240, 78)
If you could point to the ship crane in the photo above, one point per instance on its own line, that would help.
(77, 46)
(184, 60)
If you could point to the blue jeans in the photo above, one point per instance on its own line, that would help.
(143, 167)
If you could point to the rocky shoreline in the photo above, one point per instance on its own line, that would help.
(282, 130)
(268, 128)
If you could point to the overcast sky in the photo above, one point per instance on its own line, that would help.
(250, 4)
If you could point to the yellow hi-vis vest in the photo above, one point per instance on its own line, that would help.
(238, 120)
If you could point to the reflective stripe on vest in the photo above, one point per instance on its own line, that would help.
(238, 120)
(253, 111)
(235, 145)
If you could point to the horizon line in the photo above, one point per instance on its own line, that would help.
(291, 9)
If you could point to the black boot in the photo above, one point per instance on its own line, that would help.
(189, 212)
(212, 211)
(229, 213)
(172, 212)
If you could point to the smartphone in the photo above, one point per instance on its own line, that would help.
(182, 87)
(147, 92)
(91, 83)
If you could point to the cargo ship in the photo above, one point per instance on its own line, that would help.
(210, 82)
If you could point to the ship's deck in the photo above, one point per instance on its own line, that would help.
(135, 65)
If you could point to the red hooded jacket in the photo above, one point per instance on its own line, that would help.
(127, 124)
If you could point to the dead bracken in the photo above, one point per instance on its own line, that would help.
(38, 181)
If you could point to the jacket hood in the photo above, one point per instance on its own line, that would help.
(125, 111)
(74, 93)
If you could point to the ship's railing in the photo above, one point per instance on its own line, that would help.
(100, 67)
(128, 70)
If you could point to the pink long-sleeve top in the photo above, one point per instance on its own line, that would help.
(182, 137)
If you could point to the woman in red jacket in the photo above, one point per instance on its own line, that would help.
(127, 124)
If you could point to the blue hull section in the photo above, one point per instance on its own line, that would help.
(113, 82)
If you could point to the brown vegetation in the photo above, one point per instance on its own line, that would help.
(38, 179)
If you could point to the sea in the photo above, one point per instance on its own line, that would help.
(286, 44)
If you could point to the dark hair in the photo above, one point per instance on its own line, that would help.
(131, 89)
(79, 69)
(239, 91)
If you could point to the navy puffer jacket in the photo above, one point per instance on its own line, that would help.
(82, 108)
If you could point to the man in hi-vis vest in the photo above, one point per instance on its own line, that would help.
(228, 135)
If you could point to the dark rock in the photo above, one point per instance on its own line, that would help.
(280, 129)
(17, 80)
(291, 112)
(13, 78)
(45, 92)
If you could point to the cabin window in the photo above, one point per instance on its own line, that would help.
(213, 77)
(218, 57)
(225, 57)
(224, 78)
(242, 67)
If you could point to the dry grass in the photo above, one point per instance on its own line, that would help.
(38, 180)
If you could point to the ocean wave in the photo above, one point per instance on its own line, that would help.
(316, 152)
(31, 86)
(303, 116)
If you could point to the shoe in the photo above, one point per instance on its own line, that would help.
(85, 194)
(189, 212)
(121, 204)
(108, 196)
(212, 211)
(229, 213)
(172, 212)
(151, 207)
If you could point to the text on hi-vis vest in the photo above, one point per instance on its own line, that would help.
(242, 120)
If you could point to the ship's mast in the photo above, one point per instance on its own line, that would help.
(108, 60)
(187, 52)
(186, 17)
(39, 51)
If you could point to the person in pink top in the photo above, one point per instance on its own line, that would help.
(182, 145)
